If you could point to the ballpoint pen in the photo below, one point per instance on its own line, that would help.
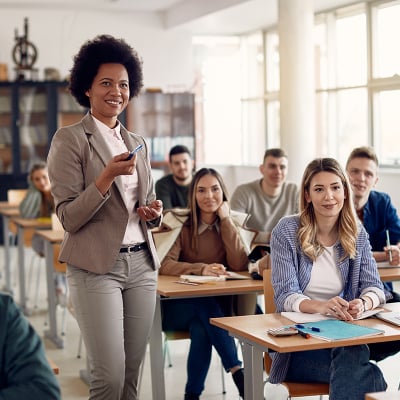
(388, 245)
(311, 328)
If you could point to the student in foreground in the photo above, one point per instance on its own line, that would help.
(322, 263)
(24, 370)
(208, 242)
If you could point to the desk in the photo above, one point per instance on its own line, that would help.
(389, 274)
(7, 211)
(51, 238)
(250, 330)
(26, 227)
(383, 396)
(168, 289)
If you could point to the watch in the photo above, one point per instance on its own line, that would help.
(365, 303)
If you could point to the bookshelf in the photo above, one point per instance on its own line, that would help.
(164, 119)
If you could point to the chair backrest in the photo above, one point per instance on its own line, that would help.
(55, 223)
(295, 389)
(15, 196)
(269, 304)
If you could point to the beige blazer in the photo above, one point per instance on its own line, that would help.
(94, 225)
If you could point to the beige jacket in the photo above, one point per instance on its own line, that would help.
(94, 225)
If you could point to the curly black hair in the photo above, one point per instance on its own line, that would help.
(103, 49)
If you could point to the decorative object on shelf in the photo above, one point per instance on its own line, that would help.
(52, 74)
(24, 55)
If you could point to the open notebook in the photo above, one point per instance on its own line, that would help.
(204, 279)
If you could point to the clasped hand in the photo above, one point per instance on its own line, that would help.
(342, 309)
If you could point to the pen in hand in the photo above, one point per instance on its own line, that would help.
(388, 245)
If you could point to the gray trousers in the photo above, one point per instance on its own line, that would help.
(115, 315)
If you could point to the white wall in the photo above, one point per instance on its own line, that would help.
(58, 34)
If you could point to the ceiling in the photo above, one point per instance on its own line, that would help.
(197, 16)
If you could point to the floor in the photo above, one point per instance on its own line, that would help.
(73, 388)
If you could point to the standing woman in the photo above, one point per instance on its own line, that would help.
(107, 206)
(322, 263)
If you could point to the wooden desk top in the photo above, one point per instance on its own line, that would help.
(383, 396)
(9, 211)
(168, 287)
(7, 204)
(389, 274)
(35, 223)
(254, 328)
(51, 235)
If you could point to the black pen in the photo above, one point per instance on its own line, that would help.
(304, 334)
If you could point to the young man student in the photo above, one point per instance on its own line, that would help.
(173, 188)
(268, 199)
(375, 209)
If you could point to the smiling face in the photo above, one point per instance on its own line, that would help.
(181, 166)
(209, 195)
(41, 181)
(363, 177)
(109, 93)
(274, 171)
(327, 194)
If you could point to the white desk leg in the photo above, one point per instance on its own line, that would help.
(156, 356)
(21, 271)
(52, 333)
(253, 372)
(7, 258)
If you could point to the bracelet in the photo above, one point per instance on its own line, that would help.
(365, 303)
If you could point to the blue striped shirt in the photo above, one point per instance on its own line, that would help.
(291, 272)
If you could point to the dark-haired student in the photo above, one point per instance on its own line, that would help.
(173, 188)
(24, 370)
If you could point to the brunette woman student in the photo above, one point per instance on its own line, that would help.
(107, 206)
(208, 244)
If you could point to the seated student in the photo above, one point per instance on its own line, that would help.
(24, 370)
(322, 263)
(39, 203)
(375, 210)
(173, 188)
(208, 244)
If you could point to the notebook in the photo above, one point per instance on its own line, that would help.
(205, 279)
(392, 317)
(334, 329)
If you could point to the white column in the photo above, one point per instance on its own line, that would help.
(297, 87)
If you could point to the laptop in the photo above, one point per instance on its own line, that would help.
(393, 317)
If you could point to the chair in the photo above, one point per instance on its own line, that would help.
(295, 389)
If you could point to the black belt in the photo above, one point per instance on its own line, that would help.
(134, 249)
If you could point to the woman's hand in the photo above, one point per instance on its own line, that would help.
(223, 210)
(214, 269)
(118, 165)
(151, 211)
(338, 308)
(356, 308)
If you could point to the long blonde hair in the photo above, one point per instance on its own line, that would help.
(347, 221)
(193, 206)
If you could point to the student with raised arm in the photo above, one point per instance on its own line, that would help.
(322, 263)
